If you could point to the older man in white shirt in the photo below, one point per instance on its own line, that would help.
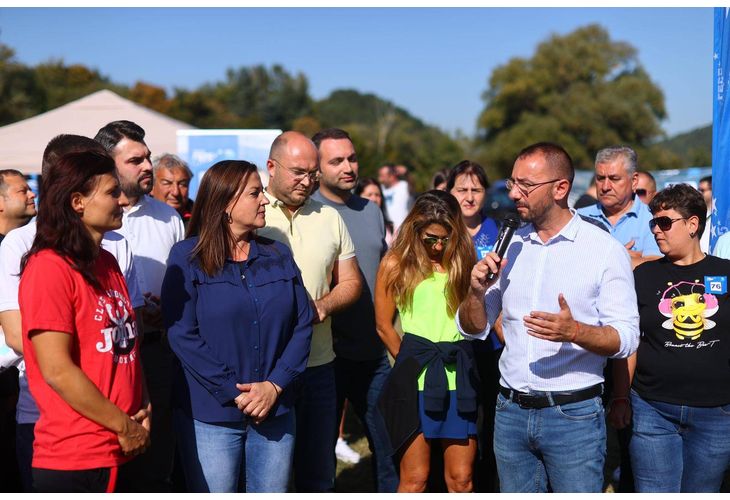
(566, 293)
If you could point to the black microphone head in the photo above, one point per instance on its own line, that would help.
(511, 220)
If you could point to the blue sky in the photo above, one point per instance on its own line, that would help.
(435, 62)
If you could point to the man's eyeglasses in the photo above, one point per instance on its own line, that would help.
(664, 223)
(433, 240)
(641, 192)
(298, 174)
(525, 187)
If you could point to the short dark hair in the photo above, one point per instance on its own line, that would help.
(467, 167)
(8, 172)
(684, 199)
(329, 133)
(64, 144)
(112, 133)
(556, 157)
(390, 167)
(707, 179)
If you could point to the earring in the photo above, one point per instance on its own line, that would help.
(229, 219)
(691, 235)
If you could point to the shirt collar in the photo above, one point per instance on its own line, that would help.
(597, 209)
(568, 232)
(141, 202)
(276, 203)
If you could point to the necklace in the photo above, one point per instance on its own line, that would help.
(240, 248)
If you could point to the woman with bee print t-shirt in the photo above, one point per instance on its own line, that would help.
(678, 402)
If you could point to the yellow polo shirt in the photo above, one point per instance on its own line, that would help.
(317, 236)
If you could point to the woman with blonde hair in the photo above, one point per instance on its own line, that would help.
(430, 397)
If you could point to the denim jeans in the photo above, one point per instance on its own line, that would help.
(563, 446)
(230, 457)
(678, 448)
(360, 383)
(316, 416)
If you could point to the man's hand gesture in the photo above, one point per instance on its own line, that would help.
(560, 327)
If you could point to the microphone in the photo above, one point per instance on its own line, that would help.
(509, 226)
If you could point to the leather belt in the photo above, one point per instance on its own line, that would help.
(547, 399)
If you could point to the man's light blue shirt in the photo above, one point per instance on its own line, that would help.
(633, 225)
(593, 271)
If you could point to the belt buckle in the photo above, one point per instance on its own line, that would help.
(526, 401)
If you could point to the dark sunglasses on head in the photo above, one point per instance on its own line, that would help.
(664, 223)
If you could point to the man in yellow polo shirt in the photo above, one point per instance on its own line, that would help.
(325, 254)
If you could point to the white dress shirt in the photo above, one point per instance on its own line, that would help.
(18, 242)
(397, 202)
(593, 271)
(151, 227)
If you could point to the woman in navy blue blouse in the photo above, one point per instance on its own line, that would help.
(239, 322)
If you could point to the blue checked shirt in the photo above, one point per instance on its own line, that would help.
(593, 271)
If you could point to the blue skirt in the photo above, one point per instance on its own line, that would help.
(449, 424)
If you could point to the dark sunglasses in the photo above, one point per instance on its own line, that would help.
(641, 192)
(664, 223)
(432, 240)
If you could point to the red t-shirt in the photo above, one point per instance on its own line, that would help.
(55, 297)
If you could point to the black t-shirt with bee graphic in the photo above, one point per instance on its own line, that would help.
(684, 352)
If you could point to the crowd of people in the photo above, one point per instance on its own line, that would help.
(158, 344)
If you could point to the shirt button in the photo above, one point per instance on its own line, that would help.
(256, 348)
(255, 322)
(256, 370)
(250, 285)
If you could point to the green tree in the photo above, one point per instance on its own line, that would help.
(385, 133)
(63, 84)
(582, 90)
(264, 98)
(21, 96)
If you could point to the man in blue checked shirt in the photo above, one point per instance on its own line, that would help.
(618, 207)
(566, 293)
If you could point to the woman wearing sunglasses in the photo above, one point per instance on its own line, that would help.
(679, 377)
(430, 398)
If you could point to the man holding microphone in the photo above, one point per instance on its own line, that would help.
(566, 293)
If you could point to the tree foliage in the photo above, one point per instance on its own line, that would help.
(385, 133)
(583, 91)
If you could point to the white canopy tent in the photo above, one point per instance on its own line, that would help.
(22, 143)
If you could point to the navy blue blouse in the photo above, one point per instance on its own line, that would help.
(249, 323)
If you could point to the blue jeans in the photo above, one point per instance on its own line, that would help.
(316, 416)
(223, 457)
(563, 446)
(678, 448)
(360, 383)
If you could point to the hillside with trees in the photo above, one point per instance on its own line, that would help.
(581, 89)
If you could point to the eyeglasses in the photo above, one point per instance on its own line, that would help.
(641, 192)
(299, 175)
(664, 223)
(433, 240)
(525, 187)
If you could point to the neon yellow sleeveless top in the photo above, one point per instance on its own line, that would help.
(429, 318)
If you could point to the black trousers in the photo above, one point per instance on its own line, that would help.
(100, 480)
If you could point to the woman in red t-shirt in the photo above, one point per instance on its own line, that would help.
(80, 334)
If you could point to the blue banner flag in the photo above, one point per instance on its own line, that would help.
(720, 127)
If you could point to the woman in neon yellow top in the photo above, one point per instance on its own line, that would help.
(431, 394)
